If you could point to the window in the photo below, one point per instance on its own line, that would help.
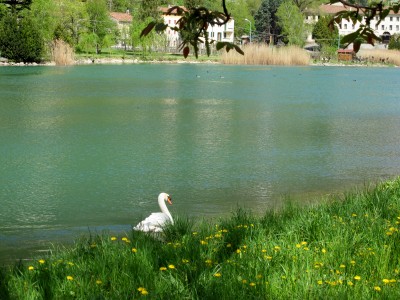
(352, 26)
(398, 19)
(391, 19)
(397, 27)
(376, 27)
(345, 26)
(383, 27)
(390, 27)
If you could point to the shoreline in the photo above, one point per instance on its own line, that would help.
(121, 61)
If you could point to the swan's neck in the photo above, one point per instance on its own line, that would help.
(164, 208)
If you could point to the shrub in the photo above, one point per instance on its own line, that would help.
(394, 42)
(20, 39)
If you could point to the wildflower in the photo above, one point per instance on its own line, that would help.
(203, 242)
(30, 268)
(113, 238)
(354, 215)
(357, 277)
(163, 268)
(277, 248)
(70, 278)
(143, 291)
(350, 283)
(377, 288)
(70, 263)
(306, 248)
(264, 251)
(41, 261)
(353, 262)
(259, 276)
(194, 233)
(171, 266)
(244, 281)
(323, 250)
(320, 282)
(209, 261)
(342, 266)
(238, 251)
(134, 250)
(93, 246)
(298, 245)
(124, 239)
(217, 274)
(303, 243)
(99, 282)
(229, 245)
(185, 261)
(268, 257)
(252, 284)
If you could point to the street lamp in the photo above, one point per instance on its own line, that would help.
(250, 28)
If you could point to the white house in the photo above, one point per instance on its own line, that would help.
(386, 28)
(224, 33)
(123, 21)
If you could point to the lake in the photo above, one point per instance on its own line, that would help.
(88, 148)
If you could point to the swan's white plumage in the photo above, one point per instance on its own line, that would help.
(156, 221)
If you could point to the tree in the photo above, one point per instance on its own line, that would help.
(266, 21)
(20, 39)
(99, 22)
(17, 5)
(394, 42)
(291, 20)
(240, 11)
(323, 34)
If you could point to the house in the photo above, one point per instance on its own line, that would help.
(123, 21)
(386, 28)
(223, 33)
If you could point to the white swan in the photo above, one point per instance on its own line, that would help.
(156, 221)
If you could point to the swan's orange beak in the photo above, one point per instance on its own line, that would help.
(169, 200)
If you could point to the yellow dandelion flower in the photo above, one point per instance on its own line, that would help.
(244, 281)
(163, 268)
(353, 262)
(70, 263)
(259, 276)
(144, 292)
(354, 215)
(238, 251)
(171, 266)
(277, 248)
(41, 261)
(298, 245)
(185, 261)
(357, 277)
(124, 239)
(209, 261)
(99, 282)
(320, 282)
(244, 247)
(323, 250)
(392, 280)
(342, 266)
(268, 257)
(217, 275)
(70, 278)
(350, 283)
(225, 230)
(203, 242)
(113, 238)
(303, 243)
(377, 288)
(30, 268)
(386, 281)
(229, 245)
(252, 284)
(306, 248)
(194, 233)
(264, 251)
(93, 246)
(134, 250)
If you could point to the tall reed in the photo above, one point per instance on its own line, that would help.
(62, 53)
(380, 56)
(262, 54)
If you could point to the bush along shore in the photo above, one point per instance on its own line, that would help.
(343, 248)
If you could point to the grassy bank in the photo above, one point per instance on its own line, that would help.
(345, 248)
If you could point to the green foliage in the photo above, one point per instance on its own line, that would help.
(266, 21)
(99, 22)
(16, 5)
(324, 34)
(394, 42)
(20, 39)
(291, 20)
(344, 248)
(241, 11)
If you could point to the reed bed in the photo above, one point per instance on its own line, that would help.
(261, 54)
(380, 56)
(344, 248)
(62, 53)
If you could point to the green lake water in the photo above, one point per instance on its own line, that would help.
(88, 148)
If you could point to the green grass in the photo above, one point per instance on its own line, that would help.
(343, 248)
